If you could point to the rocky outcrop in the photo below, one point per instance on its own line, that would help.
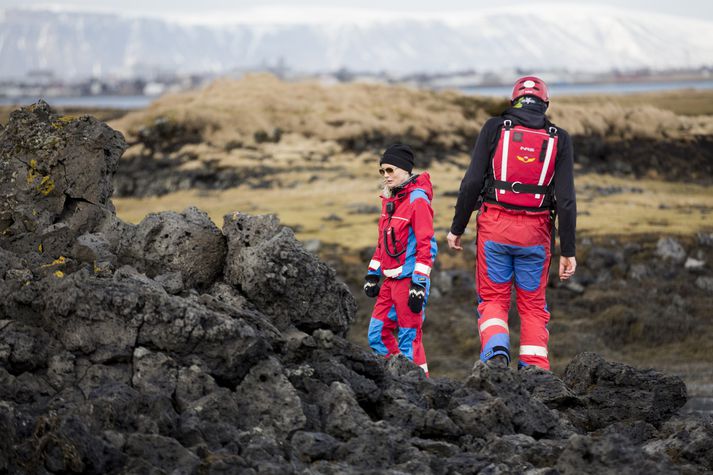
(283, 279)
(55, 179)
(170, 347)
(187, 243)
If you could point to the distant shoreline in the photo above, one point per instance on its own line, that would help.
(599, 88)
(142, 101)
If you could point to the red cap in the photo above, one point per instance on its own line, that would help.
(530, 86)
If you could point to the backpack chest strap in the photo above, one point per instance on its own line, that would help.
(517, 187)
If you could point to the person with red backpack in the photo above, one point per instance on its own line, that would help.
(520, 177)
(405, 252)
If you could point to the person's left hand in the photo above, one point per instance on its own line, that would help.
(567, 267)
(454, 241)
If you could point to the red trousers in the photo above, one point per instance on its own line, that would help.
(513, 247)
(391, 311)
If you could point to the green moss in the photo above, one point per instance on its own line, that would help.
(32, 173)
(46, 186)
(62, 121)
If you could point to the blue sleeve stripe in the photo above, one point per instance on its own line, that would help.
(419, 193)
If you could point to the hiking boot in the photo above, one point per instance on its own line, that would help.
(498, 361)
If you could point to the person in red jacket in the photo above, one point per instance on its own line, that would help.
(405, 252)
(522, 173)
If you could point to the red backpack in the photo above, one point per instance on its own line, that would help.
(524, 165)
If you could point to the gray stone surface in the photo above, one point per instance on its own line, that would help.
(686, 439)
(186, 242)
(705, 283)
(613, 392)
(283, 279)
(610, 454)
(54, 168)
(670, 248)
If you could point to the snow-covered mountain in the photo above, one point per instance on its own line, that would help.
(76, 44)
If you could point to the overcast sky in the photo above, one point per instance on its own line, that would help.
(701, 9)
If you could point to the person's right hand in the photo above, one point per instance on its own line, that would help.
(371, 285)
(567, 267)
(454, 241)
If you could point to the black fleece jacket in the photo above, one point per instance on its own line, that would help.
(480, 169)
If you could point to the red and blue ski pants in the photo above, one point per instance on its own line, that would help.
(391, 312)
(513, 246)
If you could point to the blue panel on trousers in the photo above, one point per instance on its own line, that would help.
(499, 262)
(499, 339)
(392, 314)
(406, 337)
(525, 262)
(375, 327)
(529, 264)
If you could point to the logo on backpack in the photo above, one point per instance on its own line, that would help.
(526, 159)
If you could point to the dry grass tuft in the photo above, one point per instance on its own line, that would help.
(615, 121)
(235, 110)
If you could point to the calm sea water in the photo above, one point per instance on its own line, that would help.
(99, 102)
(138, 102)
(599, 88)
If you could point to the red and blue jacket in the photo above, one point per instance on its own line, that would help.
(407, 244)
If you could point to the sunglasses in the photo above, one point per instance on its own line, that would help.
(384, 171)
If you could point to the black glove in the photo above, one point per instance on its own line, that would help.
(371, 285)
(416, 296)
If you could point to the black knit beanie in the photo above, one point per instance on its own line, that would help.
(399, 155)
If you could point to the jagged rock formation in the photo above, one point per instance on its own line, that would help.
(171, 347)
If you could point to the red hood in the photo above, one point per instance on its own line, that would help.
(422, 181)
